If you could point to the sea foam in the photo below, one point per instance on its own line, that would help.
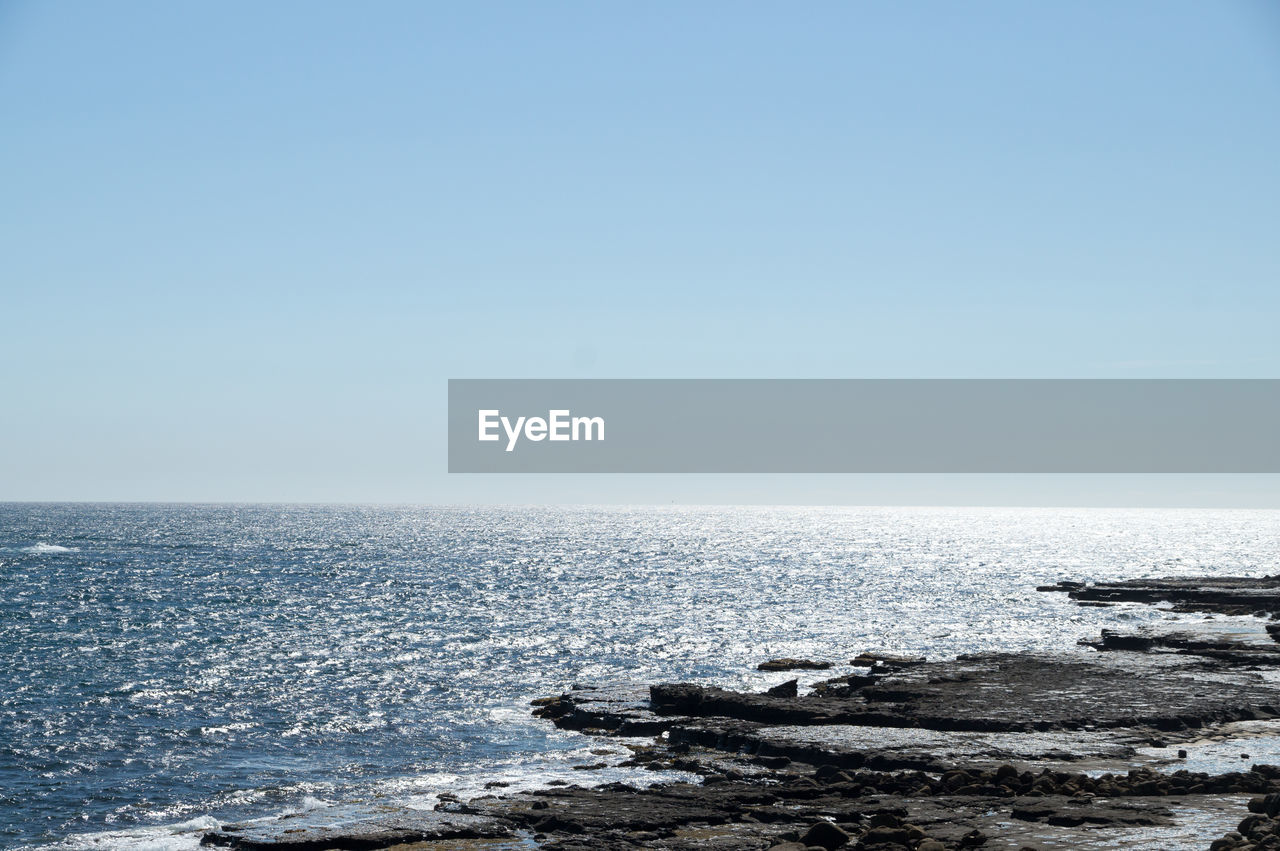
(44, 549)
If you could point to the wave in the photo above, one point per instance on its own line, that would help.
(184, 836)
(44, 549)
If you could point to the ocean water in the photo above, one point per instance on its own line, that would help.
(165, 668)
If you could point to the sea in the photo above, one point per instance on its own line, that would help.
(168, 668)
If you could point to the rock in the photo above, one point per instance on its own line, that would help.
(556, 824)
(349, 828)
(828, 773)
(1270, 805)
(890, 660)
(846, 685)
(1232, 595)
(910, 747)
(1255, 826)
(824, 834)
(885, 836)
(1113, 640)
(788, 664)
(788, 689)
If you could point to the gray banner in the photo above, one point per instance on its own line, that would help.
(864, 426)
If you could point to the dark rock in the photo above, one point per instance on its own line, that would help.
(792, 665)
(1255, 824)
(824, 834)
(1270, 805)
(788, 689)
(1233, 595)
(846, 685)
(828, 773)
(885, 836)
(888, 660)
(1112, 640)
(779, 765)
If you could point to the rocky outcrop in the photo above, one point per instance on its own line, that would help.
(1228, 595)
(1003, 693)
(354, 829)
(906, 753)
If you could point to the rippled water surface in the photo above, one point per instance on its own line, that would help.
(164, 667)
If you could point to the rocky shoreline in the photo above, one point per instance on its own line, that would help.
(996, 750)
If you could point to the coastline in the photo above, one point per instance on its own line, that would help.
(991, 750)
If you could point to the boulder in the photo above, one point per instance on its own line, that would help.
(790, 688)
(824, 834)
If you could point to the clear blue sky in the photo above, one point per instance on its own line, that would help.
(243, 245)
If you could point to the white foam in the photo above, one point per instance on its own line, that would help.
(43, 549)
(183, 836)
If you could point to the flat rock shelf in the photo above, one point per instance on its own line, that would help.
(1133, 745)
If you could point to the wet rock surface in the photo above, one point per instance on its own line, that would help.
(355, 828)
(1228, 595)
(1075, 750)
